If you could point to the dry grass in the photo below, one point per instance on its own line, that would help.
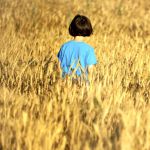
(39, 111)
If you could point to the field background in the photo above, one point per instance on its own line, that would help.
(39, 111)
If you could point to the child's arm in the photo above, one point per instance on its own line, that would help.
(91, 70)
(91, 61)
(60, 59)
(59, 68)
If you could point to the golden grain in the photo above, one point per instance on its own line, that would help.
(39, 110)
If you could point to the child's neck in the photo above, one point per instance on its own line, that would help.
(78, 38)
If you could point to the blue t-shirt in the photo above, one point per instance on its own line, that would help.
(76, 55)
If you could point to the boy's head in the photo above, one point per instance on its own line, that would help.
(80, 26)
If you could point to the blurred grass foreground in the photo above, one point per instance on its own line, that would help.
(38, 111)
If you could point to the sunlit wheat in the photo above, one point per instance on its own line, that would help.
(40, 111)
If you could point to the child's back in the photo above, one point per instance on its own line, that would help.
(76, 55)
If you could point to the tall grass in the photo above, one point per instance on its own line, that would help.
(40, 111)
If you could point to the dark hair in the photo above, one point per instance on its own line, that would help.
(80, 26)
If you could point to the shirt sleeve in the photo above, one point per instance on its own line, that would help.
(91, 59)
(60, 54)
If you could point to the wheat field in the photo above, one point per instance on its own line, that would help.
(40, 111)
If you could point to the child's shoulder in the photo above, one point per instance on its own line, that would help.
(74, 43)
(68, 43)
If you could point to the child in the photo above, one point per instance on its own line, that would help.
(77, 57)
